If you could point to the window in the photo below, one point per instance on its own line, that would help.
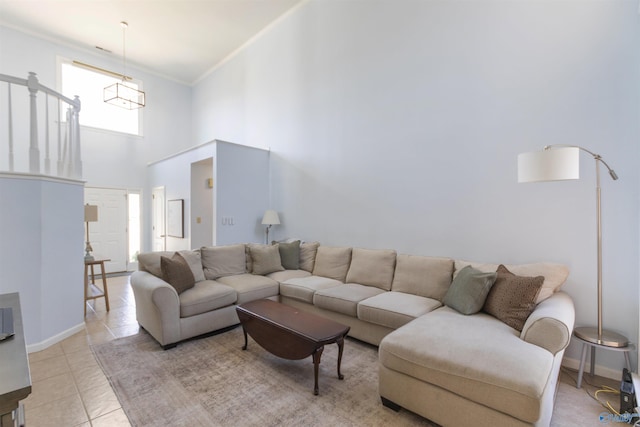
(89, 86)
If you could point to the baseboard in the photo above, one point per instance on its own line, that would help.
(600, 370)
(42, 345)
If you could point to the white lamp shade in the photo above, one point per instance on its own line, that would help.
(553, 164)
(270, 218)
(90, 213)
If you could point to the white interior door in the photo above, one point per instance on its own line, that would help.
(158, 219)
(108, 236)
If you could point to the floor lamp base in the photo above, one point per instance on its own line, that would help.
(608, 339)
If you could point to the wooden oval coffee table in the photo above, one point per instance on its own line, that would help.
(289, 333)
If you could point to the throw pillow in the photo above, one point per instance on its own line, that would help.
(469, 290)
(308, 255)
(512, 298)
(177, 273)
(290, 255)
(265, 258)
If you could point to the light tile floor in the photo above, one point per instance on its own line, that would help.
(68, 386)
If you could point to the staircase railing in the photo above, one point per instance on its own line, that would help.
(68, 154)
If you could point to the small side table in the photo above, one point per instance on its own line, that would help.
(586, 344)
(91, 291)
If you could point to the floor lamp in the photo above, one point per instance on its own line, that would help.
(562, 162)
(270, 218)
(90, 215)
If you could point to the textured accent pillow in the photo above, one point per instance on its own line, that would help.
(512, 298)
(469, 290)
(290, 255)
(308, 255)
(177, 273)
(265, 259)
(332, 262)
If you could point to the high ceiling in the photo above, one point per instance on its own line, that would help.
(178, 39)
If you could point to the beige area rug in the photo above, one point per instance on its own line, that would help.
(213, 382)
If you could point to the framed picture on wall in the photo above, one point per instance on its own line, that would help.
(175, 218)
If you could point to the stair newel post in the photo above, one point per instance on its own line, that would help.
(47, 159)
(34, 151)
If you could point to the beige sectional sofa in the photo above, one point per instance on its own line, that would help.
(452, 368)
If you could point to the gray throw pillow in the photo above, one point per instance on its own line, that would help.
(265, 258)
(177, 273)
(469, 290)
(290, 255)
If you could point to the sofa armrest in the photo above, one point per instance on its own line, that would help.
(157, 307)
(551, 324)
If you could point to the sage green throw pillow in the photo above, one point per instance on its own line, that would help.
(469, 290)
(290, 255)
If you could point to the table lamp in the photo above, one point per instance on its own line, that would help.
(90, 215)
(562, 162)
(270, 218)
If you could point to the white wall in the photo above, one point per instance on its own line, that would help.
(241, 190)
(110, 160)
(397, 124)
(41, 224)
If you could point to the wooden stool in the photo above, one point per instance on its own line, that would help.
(91, 291)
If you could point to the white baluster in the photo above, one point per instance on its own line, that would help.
(10, 130)
(60, 162)
(77, 167)
(34, 151)
(47, 160)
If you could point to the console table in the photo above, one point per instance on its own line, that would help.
(15, 378)
(91, 291)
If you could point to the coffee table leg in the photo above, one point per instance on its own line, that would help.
(245, 338)
(316, 364)
(340, 343)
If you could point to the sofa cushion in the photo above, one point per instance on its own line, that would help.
(344, 298)
(469, 290)
(265, 259)
(372, 267)
(176, 272)
(304, 288)
(281, 276)
(290, 254)
(512, 298)
(219, 261)
(194, 259)
(308, 255)
(150, 262)
(421, 275)
(205, 296)
(251, 287)
(554, 274)
(332, 262)
(394, 309)
(477, 357)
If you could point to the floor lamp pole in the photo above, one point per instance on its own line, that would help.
(598, 335)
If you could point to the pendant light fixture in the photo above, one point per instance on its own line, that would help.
(121, 94)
